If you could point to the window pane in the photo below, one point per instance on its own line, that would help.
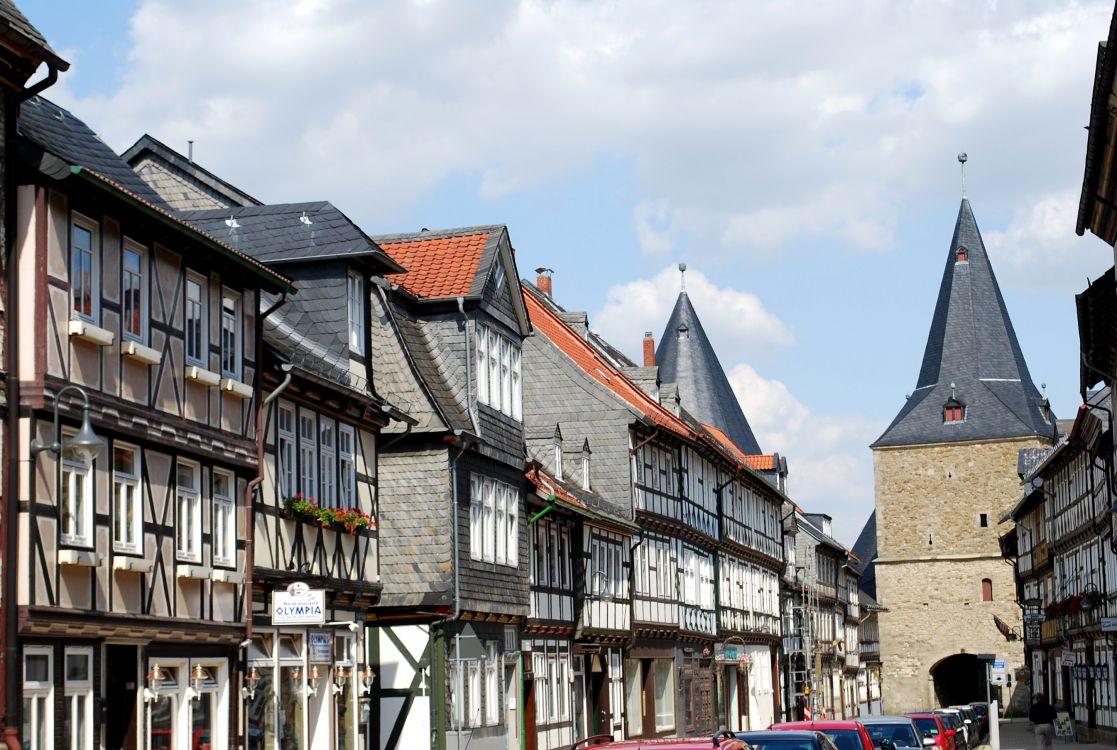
(133, 292)
(36, 668)
(229, 352)
(77, 667)
(633, 681)
(664, 695)
(194, 321)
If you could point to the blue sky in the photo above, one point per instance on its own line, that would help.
(804, 167)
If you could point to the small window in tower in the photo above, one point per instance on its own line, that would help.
(953, 413)
(983, 520)
(684, 332)
(962, 255)
(986, 590)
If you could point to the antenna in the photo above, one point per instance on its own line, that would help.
(190, 151)
(682, 276)
(962, 159)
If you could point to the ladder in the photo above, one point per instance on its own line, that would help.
(801, 644)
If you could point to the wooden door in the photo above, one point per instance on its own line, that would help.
(598, 699)
(530, 738)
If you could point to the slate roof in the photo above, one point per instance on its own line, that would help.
(15, 27)
(971, 344)
(445, 263)
(395, 371)
(291, 233)
(690, 361)
(866, 550)
(576, 499)
(55, 129)
(181, 181)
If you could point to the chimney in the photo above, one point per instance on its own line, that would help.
(649, 349)
(543, 280)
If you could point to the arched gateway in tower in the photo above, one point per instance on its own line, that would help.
(945, 473)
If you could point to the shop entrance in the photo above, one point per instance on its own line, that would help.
(121, 679)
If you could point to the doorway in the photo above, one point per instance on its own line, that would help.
(121, 682)
(959, 679)
(599, 713)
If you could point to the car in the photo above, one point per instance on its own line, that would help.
(977, 732)
(982, 710)
(847, 735)
(961, 736)
(722, 741)
(787, 739)
(892, 732)
(934, 727)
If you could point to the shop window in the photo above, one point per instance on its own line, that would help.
(38, 725)
(633, 690)
(664, 695)
(79, 697)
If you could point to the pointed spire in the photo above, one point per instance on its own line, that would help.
(686, 357)
(972, 358)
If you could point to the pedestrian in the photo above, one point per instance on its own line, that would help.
(1042, 716)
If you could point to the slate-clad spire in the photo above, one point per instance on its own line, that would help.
(686, 357)
(972, 359)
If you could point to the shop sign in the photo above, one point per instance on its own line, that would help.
(1109, 624)
(298, 605)
(320, 644)
(1091, 671)
(1068, 659)
(728, 652)
(1032, 632)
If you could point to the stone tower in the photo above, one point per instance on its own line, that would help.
(945, 473)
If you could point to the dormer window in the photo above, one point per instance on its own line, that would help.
(962, 255)
(683, 333)
(558, 459)
(953, 411)
(355, 297)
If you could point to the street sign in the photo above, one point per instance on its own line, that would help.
(1039, 617)
(1109, 624)
(999, 665)
(1068, 659)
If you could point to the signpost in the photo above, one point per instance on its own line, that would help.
(1109, 624)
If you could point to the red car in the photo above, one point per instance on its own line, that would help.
(722, 741)
(932, 725)
(847, 735)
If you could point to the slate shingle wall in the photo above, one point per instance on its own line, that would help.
(179, 190)
(557, 390)
(415, 549)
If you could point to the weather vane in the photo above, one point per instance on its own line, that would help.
(682, 276)
(962, 159)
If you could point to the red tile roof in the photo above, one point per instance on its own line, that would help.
(544, 481)
(598, 368)
(762, 462)
(439, 266)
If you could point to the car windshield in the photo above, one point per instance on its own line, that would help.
(901, 735)
(927, 725)
(781, 745)
(845, 739)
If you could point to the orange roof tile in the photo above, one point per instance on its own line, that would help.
(439, 266)
(542, 480)
(762, 462)
(598, 368)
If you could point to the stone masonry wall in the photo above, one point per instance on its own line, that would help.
(933, 554)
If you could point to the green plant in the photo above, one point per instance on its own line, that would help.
(307, 510)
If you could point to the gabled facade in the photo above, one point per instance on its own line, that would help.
(454, 554)
(134, 558)
(709, 529)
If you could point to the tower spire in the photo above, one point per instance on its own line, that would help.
(962, 159)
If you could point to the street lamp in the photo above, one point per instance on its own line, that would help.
(155, 677)
(599, 586)
(251, 680)
(85, 446)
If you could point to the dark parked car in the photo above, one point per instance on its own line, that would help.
(961, 736)
(847, 735)
(892, 732)
(977, 730)
(722, 741)
(982, 710)
(784, 739)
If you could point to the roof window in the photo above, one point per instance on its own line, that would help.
(962, 255)
(683, 332)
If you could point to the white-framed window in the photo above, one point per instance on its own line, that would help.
(347, 465)
(308, 454)
(457, 695)
(85, 268)
(494, 530)
(355, 294)
(664, 675)
(224, 518)
(127, 520)
(499, 376)
(285, 448)
(38, 697)
(195, 314)
(327, 452)
(492, 685)
(133, 292)
(188, 502)
(230, 333)
(473, 676)
(79, 697)
(482, 364)
(558, 459)
(76, 502)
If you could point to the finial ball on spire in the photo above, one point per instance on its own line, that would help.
(682, 267)
(963, 158)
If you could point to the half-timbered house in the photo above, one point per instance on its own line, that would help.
(131, 544)
(670, 474)
(315, 520)
(454, 550)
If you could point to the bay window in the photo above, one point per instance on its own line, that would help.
(494, 530)
(498, 372)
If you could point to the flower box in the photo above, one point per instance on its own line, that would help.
(343, 520)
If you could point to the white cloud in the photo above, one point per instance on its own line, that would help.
(1039, 250)
(831, 468)
(749, 125)
(733, 320)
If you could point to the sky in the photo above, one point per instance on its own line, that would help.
(800, 158)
